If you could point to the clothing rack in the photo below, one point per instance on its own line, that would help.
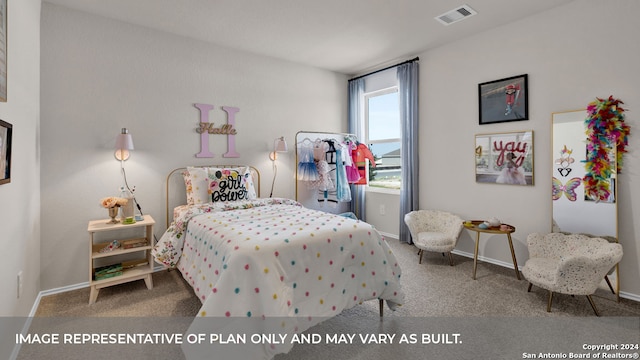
(309, 197)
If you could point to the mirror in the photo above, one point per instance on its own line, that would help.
(572, 211)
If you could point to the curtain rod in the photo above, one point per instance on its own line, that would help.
(387, 68)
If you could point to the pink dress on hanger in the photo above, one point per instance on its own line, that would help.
(353, 176)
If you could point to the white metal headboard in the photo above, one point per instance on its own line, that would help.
(176, 192)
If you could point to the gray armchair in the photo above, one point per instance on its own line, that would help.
(434, 230)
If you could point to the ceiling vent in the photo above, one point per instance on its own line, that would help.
(455, 15)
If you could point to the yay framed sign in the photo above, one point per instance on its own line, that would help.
(504, 158)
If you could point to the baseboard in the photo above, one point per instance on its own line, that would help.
(389, 236)
(486, 259)
(56, 291)
(629, 296)
(68, 288)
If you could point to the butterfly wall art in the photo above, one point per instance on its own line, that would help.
(568, 189)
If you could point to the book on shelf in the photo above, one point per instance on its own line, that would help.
(108, 275)
(134, 263)
(134, 243)
(108, 271)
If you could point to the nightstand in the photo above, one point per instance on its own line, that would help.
(131, 261)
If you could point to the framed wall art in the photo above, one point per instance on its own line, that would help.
(504, 158)
(3, 50)
(504, 100)
(6, 132)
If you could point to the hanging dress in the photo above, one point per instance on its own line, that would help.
(319, 149)
(324, 178)
(307, 170)
(330, 154)
(342, 185)
(353, 175)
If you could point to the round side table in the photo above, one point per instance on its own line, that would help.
(506, 229)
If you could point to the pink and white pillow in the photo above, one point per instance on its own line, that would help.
(196, 181)
(212, 184)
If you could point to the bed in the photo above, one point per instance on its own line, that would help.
(267, 265)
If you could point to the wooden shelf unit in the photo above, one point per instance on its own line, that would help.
(135, 271)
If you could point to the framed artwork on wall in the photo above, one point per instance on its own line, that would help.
(3, 50)
(504, 100)
(505, 158)
(6, 132)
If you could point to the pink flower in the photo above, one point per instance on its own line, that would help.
(112, 201)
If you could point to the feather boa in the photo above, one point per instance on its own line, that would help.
(605, 129)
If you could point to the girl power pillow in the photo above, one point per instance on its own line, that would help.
(231, 184)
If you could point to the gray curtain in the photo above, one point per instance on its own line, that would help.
(408, 97)
(356, 127)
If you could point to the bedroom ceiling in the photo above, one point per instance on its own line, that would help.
(347, 36)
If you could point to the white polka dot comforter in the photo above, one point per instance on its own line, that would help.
(275, 259)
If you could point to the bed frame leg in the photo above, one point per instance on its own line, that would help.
(381, 305)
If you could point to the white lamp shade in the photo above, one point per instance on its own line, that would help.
(124, 141)
(279, 145)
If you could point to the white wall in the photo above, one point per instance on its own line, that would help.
(573, 54)
(20, 199)
(99, 75)
(383, 209)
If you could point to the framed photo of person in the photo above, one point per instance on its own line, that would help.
(504, 100)
(5, 151)
(505, 158)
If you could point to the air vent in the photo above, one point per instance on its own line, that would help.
(456, 15)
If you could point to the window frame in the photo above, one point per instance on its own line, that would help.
(367, 96)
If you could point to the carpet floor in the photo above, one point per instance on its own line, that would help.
(495, 316)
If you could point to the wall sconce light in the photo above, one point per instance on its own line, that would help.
(279, 145)
(124, 143)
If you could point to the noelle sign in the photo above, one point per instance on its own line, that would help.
(206, 128)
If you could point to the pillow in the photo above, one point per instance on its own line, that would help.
(248, 182)
(231, 184)
(196, 181)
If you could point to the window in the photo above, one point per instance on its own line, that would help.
(383, 136)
